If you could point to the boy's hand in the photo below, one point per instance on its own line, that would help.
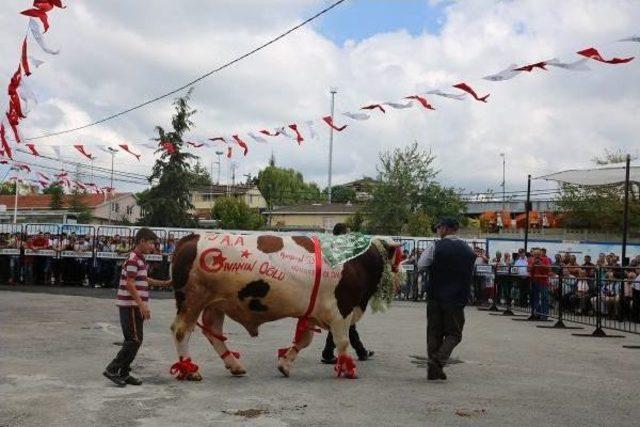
(144, 310)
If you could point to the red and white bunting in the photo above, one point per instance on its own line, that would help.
(398, 105)
(32, 149)
(126, 148)
(466, 88)
(374, 107)
(257, 138)
(506, 74)
(299, 137)
(357, 116)
(84, 152)
(592, 53)
(456, 96)
(422, 100)
(329, 121)
(242, 144)
(39, 38)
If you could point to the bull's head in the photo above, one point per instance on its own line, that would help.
(391, 254)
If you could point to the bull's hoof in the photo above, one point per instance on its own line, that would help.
(193, 376)
(237, 371)
(285, 371)
(346, 367)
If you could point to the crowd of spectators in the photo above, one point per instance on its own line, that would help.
(70, 258)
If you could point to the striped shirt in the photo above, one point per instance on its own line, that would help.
(134, 267)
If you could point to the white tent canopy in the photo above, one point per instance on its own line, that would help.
(610, 174)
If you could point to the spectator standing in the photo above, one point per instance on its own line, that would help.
(539, 271)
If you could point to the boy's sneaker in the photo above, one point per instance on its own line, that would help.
(115, 377)
(132, 380)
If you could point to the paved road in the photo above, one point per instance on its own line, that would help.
(53, 348)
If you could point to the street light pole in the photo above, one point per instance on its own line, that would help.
(15, 199)
(503, 180)
(333, 92)
(218, 153)
(113, 152)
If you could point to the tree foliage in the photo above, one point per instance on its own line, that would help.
(77, 205)
(167, 203)
(407, 198)
(7, 188)
(233, 213)
(281, 187)
(57, 193)
(340, 194)
(200, 176)
(599, 207)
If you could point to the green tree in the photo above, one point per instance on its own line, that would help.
(233, 213)
(599, 207)
(167, 203)
(407, 197)
(340, 194)
(280, 186)
(7, 188)
(57, 193)
(200, 176)
(77, 205)
(356, 222)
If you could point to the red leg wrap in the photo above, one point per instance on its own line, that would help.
(183, 368)
(346, 366)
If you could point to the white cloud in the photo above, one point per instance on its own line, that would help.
(118, 53)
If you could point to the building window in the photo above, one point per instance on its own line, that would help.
(129, 210)
(115, 207)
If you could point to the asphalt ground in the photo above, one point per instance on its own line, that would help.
(55, 342)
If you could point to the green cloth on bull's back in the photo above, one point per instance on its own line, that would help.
(337, 250)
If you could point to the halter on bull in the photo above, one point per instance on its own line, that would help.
(262, 278)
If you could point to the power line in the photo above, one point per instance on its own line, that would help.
(192, 82)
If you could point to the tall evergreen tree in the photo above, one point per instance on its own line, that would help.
(167, 203)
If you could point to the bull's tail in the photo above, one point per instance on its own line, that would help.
(185, 254)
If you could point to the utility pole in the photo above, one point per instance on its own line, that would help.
(333, 92)
(234, 166)
(113, 152)
(218, 153)
(15, 199)
(504, 199)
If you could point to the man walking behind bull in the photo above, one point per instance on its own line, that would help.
(450, 262)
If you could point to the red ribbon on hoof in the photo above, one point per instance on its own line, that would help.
(345, 366)
(282, 352)
(230, 353)
(183, 368)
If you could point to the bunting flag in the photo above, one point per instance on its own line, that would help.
(125, 147)
(530, 67)
(242, 144)
(229, 152)
(505, 74)
(398, 105)
(56, 149)
(43, 176)
(39, 38)
(284, 132)
(373, 107)
(357, 116)
(29, 99)
(268, 133)
(457, 97)
(257, 138)
(579, 65)
(43, 184)
(5, 145)
(3, 161)
(40, 14)
(299, 138)
(195, 144)
(422, 100)
(466, 88)
(595, 55)
(24, 59)
(80, 185)
(311, 128)
(329, 121)
(35, 61)
(635, 38)
(32, 149)
(12, 90)
(169, 147)
(218, 138)
(82, 151)
(21, 166)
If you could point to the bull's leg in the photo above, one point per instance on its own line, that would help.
(288, 356)
(182, 328)
(213, 320)
(346, 365)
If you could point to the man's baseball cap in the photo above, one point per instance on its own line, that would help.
(446, 222)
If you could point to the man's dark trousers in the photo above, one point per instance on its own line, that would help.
(354, 339)
(131, 322)
(444, 329)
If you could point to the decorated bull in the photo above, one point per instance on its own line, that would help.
(325, 282)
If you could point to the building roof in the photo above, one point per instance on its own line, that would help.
(43, 201)
(315, 209)
(222, 189)
(359, 184)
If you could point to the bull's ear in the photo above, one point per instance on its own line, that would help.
(391, 246)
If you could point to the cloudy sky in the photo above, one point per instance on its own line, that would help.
(118, 53)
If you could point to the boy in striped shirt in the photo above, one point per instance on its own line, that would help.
(132, 302)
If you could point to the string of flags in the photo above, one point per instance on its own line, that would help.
(22, 99)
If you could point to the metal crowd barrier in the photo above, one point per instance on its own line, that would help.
(600, 297)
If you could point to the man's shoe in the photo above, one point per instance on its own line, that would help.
(115, 377)
(132, 380)
(329, 360)
(435, 372)
(366, 356)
